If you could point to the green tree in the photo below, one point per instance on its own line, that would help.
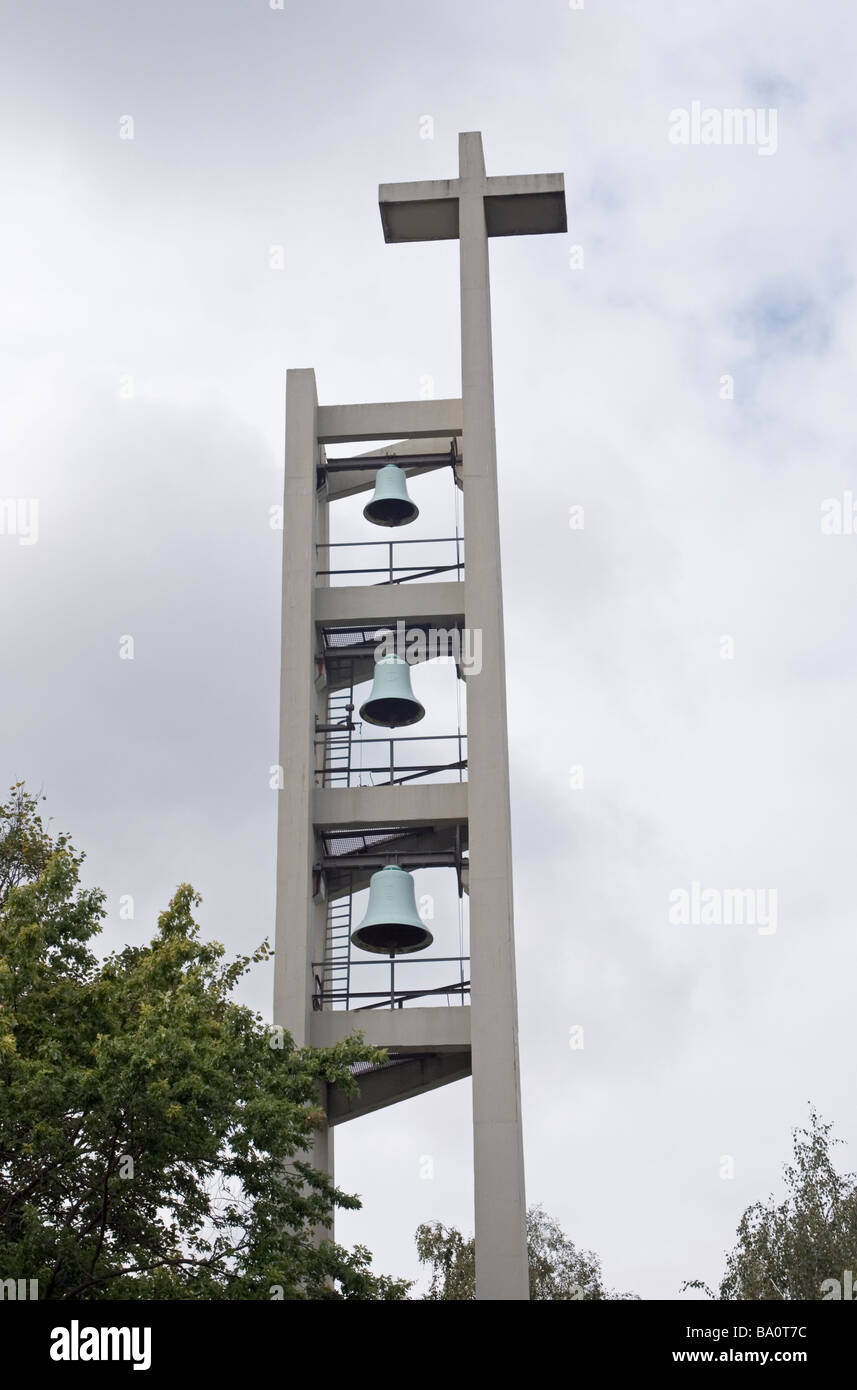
(789, 1249)
(558, 1270)
(150, 1134)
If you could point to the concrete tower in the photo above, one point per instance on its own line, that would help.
(333, 833)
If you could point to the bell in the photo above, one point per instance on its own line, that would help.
(392, 926)
(392, 701)
(391, 505)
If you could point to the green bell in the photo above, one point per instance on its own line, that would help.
(391, 505)
(392, 926)
(392, 701)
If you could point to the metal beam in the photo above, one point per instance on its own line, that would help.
(397, 1081)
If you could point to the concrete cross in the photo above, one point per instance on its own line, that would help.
(473, 208)
(513, 206)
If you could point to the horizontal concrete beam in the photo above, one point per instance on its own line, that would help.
(419, 191)
(515, 205)
(378, 604)
(401, 1081)
(525, 205)
(401, 805)
(344, 424)
(439, 1029)
(418, 219)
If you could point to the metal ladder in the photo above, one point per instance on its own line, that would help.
(336, 766)
(337, 948)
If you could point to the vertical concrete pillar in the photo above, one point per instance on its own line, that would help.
(501, 1252)
(299, 703)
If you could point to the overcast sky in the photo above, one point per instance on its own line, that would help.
(691, 648)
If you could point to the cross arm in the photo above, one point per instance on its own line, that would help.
(520, 205)
(525, 205)
(426, 211)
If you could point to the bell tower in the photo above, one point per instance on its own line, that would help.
(365, 800)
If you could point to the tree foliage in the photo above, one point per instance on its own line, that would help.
(558, 1270)
(792, 1248)
(150, 1134)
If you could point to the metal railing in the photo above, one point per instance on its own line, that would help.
(327, 995)
(347, 750)
(396, 574)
